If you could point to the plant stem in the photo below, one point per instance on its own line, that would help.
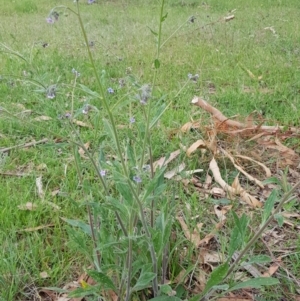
(129, 263)
(98, 255)
(261, 230)
(256, 236)
(104, 102)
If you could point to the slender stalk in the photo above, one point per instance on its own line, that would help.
(104, 102)
(98, 255)
(147, 135)
(77, 165)
(175, 31)
(111, 119)
(256, 236)
(285, 198)
(129, 268)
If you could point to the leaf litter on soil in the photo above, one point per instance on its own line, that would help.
(256, 152)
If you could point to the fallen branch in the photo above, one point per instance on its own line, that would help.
(7, 149)
(235, 189)
(235, 124)
(12, 174)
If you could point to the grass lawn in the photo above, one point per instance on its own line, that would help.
(250, 63)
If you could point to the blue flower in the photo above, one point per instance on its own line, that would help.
(137, 179)
(103, 173)
(77, 74)
(110, 91)
(192, 19)
(91, 1)
(146, 167)
(49, 20)
(145, 94)
(132, 120)
(51, 92)
(192, 77)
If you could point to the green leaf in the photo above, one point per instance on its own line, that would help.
(258, 259)
(165, 289)
(116, 205)
(89, 91)
(279, 218)
(160, 111)
(109, 130)
(82, 292)
(155, 185)
(163, 18)
(56, 289)
(235, 241)
(216, 276)
(222, 287)
(241, 223)
(165, 298)
(102, 279)
(196, 298)
(272, 180)
(153, 32)
(269, 205)
(144, 281)
(125, 192)
(156, 63)
(255, 283)
(80, 224)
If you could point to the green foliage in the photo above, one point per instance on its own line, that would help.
(238, 234)
(216, 276)
(26, 7)
(255, 283)
(269, 205)
(125, 233)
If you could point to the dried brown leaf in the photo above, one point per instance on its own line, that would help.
(163, 161)
(81, 150)
(28, 206)
(206, 239)
(39, 186)
(194, 237)
(82, 124)
(290, 214)
(44, 275)
(55, 192)
(273, 268)
(208, 256)
(198, 144)
(170, 174)
(239, 168)
(266, 169)
(245, 196)
(42, 166)
(42, 118)
(180, 278)
(221, 211)
(37, 228)
(229, 18)
(218, 192)
(190, 125)
(46, 294)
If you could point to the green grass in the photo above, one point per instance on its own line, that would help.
(219, 52)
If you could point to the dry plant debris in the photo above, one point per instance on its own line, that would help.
(257, 152)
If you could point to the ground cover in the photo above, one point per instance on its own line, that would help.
(241, 58)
